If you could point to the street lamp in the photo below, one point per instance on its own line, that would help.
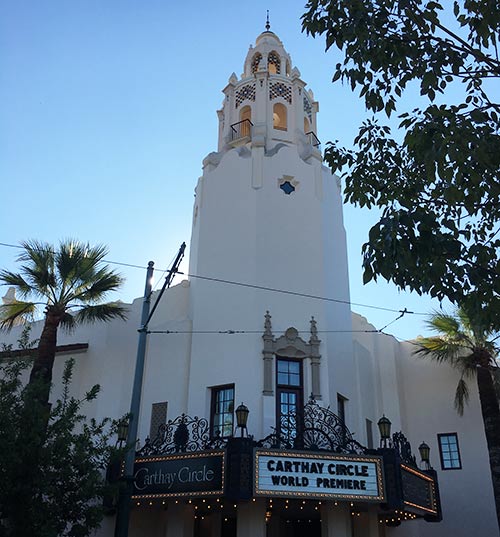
(242, 417)
(384, 427)
(122, 432)
(425, 451)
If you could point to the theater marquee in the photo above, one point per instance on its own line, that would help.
(186, 474)
(317, 475)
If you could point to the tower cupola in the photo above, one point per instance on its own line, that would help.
(269, 104)
(268, 55)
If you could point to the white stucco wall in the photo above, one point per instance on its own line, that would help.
(417, 395)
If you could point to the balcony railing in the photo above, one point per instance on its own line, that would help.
(242, 129)
(313, 139)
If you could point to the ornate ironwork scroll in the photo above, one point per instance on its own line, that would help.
(181, 435)
(402, 445)
(316, 429)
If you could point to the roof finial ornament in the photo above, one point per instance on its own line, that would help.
(268, 26)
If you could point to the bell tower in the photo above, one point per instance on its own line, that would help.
(268, 217)
(270, 98)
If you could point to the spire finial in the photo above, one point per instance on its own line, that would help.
(268, 26)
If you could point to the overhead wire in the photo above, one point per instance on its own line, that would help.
(231, 332)
(259, 287)
(394, 320)
(162, 273)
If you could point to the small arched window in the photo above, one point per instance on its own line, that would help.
(280, 117)
(255, 62)
(307, 125)
(273, 63)
(245, 120)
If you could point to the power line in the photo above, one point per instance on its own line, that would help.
(259, 287)
(394, 320)
(295, 293)
(234, 332)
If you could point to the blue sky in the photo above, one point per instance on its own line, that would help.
(107, 110)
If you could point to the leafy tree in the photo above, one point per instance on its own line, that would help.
(64, 496)
(70, 284)
(437, 180)
(470, 348)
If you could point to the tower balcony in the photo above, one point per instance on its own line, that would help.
(313, 140)
(240, 133)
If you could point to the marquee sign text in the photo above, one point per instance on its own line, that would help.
(318, 475)
(187, 474)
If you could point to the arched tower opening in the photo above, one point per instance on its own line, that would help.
(245, 120)
(307, 125)
(273, 63)
(255, 62)
(280, 117)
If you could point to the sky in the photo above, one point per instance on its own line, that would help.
(107, 110)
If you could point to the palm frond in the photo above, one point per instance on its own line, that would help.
(467, 365)
(15, 312)
(105, 281)
(464, 319)
(16, 280)
(75, 260)
(38, 266)
(443, 323)
(462, 343)
(461, 396)
(491, 347)
(101, 312)
(439, 349)
(78, 267)
(68, 322)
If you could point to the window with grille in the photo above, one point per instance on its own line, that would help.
(158, 418)
(222, 411)
(449, 451)
(290, 400)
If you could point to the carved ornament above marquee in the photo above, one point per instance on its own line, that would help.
(291, 345)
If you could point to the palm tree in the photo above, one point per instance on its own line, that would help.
(470, 349)
(69, 283)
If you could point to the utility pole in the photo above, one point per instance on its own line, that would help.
(125, 494)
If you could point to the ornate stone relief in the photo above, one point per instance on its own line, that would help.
(290, 345)
(278, 89)
(308, 107)
(288, 184)
(244, 93)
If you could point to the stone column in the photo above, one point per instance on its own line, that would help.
(251, 519)
(216, 523)
(366, 524)
(335, 520)
(268, 355)
(314, 343)
(374, 528)
(180, 520)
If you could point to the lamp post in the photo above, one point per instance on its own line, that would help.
(384, 427)
(123, 508)
(242, 418)
(425, 451)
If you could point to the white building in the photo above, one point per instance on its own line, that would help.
(268, 215)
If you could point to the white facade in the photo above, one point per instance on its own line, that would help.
(268, 215)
